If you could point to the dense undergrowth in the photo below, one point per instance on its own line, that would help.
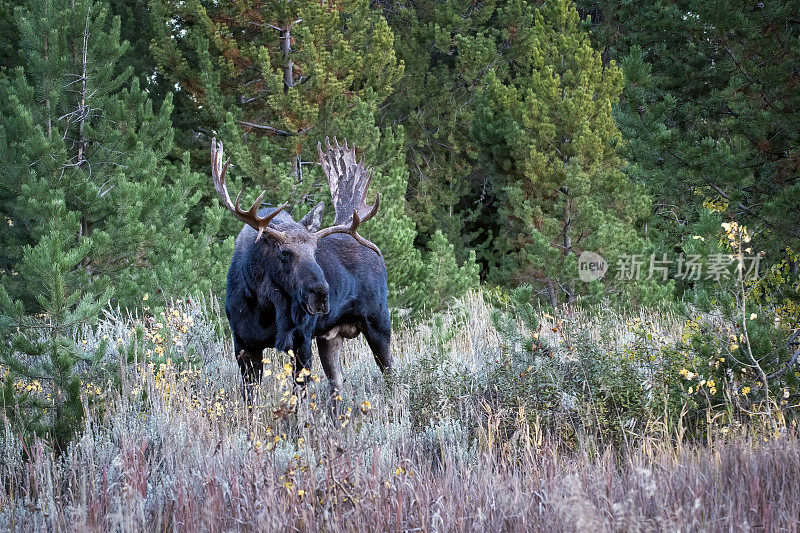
(500, 416)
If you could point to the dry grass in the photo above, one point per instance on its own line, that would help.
(175, 449)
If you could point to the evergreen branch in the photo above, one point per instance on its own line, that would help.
(276, 131)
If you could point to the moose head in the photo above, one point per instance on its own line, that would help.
(292, 245)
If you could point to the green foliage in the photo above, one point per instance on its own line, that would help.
(275, 90)
(708, 111)
(586, 385)
(440, 386)
(281, 76)
(8, 33)
(445, 279)
(744, 361)
(73, 132)
(445, 48)
(139, 20)
(740, 346)
(613, 385)
(48, 373)
(545, 124)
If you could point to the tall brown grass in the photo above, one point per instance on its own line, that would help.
(176, 449)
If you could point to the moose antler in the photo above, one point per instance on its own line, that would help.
(249, 217)
(349, 181)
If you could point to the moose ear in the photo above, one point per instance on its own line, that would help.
(313, 219)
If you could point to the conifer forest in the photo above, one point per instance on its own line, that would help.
(510, 265)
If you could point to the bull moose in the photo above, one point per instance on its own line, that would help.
(290, 282)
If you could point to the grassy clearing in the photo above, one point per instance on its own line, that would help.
(480, 430)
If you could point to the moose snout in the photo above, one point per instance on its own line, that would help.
(317, 300)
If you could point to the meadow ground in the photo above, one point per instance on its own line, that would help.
(479, 430)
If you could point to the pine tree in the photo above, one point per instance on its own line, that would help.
(281, 72)
(545, 122)
(139, 26)
(445, 277)
(709, 112)
(73, 131)
(8, 34)
(46, 373)
(446, 48)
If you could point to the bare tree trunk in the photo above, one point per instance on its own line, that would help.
(288, 83)
(82, 114)
(286, 48)
(552, 293)
(570, 290)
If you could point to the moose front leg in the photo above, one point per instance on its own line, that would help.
(285, 329)
(251, 364)
(302, 358)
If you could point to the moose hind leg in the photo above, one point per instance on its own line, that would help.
(378, 333)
